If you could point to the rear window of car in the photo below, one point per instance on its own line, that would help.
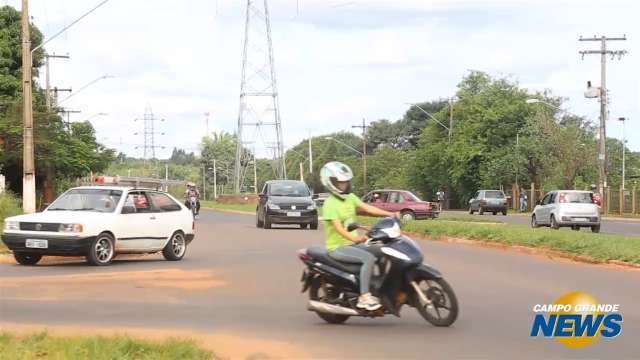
(494, 194)
(164, 203)
(576, 197)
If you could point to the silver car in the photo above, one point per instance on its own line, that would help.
(567, 208)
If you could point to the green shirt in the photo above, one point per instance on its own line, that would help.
(343, 210)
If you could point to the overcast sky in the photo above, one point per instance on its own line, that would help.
(337, 61)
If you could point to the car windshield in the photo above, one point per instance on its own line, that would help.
(289, 189)
(100, 200)
(494, 194)
(576, 197)
(412, 196)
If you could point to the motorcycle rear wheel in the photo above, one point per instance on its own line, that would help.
(317, 293)
(443, 299)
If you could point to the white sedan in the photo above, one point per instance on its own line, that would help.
(99, 222)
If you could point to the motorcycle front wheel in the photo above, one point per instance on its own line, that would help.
(443, 309)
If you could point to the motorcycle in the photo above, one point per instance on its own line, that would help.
(193, 205)
(399, 278)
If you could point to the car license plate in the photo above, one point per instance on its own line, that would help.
(36, 243)
(580, 219)
(293, 213)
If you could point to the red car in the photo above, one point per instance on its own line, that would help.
(403, 201)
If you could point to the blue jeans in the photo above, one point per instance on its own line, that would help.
(356, 254)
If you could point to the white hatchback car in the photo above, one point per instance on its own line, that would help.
(99, 222)
(567, 208)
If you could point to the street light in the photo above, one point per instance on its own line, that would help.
(86, 86)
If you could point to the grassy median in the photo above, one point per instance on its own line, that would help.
(601, 247)
(237, 207)
(44, 346)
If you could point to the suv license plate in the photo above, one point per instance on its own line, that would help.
(293, 213)
(36, 243)
(580, 219)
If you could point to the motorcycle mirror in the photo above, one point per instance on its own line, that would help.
(352, 227)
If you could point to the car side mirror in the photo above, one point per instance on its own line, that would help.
(128, 210)
(353, 226)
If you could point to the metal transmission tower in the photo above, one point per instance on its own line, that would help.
(258, 93)
(149, 134)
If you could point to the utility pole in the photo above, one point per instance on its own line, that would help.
(450, 118)
(48, 77)
(28, 167)
(204, 182)
(603, 52)
(301, 171)
(364, 127)
(310, 155)
(624, 144)
(215, 181)
(255, 172)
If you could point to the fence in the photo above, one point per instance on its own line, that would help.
(615, 200)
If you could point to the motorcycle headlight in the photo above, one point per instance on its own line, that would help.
(71, 228)
(11, 225)
(273, 206)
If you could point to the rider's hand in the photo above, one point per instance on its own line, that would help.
(360, 239)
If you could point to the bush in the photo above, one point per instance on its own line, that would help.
(9, 205)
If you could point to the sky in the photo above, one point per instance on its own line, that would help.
(336, 61)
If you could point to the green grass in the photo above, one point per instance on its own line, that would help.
(239, 207)
(43, 346)
(9, 206)
(601, 247)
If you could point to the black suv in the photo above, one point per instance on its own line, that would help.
(286, 202)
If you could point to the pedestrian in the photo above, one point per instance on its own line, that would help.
(440, 194)
(523, 200)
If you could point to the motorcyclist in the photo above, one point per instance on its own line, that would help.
(338, 211)
(192, 190)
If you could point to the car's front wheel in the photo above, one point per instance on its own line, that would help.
(554, 223)
(27, 259)
(102, 250)
(534, 222)
(175, 248)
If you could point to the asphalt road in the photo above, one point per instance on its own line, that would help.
(242, 280)
(627, 227)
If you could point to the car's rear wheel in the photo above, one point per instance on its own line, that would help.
(504, 212)
(102, 250)
(27, 259)
(480, 211)
(554, 223)
(595, 229)
(176, 247)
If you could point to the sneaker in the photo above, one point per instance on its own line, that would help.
(368, 302)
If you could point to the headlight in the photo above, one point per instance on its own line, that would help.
(273, 206)
(11, 225)
(72, 228)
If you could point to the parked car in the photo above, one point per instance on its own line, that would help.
(101, 222)
(286, 202)
(567, 208)
(493, 201)
(407, 203)
(320, 198)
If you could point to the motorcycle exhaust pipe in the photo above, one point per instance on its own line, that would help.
(330, 308)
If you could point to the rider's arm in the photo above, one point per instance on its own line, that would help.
(346, 234)
(372, 210)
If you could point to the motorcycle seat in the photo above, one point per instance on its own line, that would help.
(319, 253)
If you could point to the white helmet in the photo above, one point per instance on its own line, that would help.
(333, 173)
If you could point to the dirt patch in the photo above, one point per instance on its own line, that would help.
(224, 345)
(138, 285)
(551, 254)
